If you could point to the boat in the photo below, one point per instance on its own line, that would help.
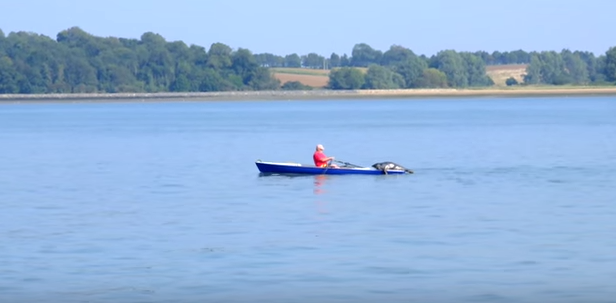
(298, 168)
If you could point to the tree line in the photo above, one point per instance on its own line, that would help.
(363, 55)
(399, 67)
(78, 62)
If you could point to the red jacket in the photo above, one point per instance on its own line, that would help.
(319, 159)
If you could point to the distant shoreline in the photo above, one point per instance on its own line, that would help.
(312, 94)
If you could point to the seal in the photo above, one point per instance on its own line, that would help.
(387, 165)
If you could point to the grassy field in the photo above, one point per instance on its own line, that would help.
(300, 71)
(317, 81)
(318, 77)
(500, 73)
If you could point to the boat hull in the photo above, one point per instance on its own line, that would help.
(297, 168)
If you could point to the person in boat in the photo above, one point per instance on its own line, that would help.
(320, 159)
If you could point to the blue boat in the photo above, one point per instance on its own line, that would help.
(298, 168)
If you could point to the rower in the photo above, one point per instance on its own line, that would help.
(320, 159)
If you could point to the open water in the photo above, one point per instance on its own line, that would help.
(512, 200)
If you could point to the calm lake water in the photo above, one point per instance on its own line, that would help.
(512, 200)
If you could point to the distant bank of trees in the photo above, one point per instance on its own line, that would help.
(77, 62)
(400, 67)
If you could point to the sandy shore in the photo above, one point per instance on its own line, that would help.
(314, 94)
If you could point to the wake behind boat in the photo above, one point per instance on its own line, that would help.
(345, 169)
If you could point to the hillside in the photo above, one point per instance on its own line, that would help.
(318, 77)
(500, 73)
(312, 77)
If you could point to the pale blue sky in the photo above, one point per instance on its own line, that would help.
(326, 26)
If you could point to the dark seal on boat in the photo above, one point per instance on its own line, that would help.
(385, 166)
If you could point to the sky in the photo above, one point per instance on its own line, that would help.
(327, 26)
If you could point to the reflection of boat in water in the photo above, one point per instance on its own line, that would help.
(318, 183)
(298, 168)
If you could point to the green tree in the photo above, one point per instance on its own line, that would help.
(575, 67)
(292, 60)
(610, 64)
(397, 55)
(262, 79)
(475, 70)
(80, 75)
(244, 64)
(595, 74)
(553, 68)
(599, 69)
(219, 56)
(181, 84)
(313, 60)
(198, 56)
(345, 61)
(485, 57)
(432, 78)
(295, 85)
(269, 60)
(210, 80)
(547, 67)
(453, 65)
(8, 75)
(75, 37)
(533, 71)
(380, 77)
(511, 81)
(364, 55)
(346, 78)
(411, 70)
(334, 60)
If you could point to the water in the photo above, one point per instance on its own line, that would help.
(512, 200)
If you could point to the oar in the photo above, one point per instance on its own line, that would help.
(347, 163)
